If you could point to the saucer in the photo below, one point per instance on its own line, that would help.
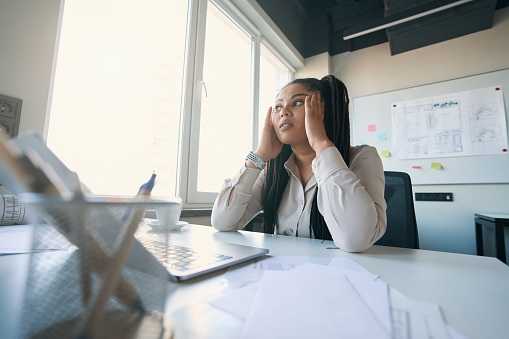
(156, 225)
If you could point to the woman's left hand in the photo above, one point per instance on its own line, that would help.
(315, 128)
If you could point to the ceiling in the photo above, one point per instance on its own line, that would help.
(318, 26)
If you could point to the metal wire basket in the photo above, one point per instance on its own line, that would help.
(65, 293)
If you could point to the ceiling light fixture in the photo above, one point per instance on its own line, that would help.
(400, 21)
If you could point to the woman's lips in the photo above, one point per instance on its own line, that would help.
(285, 125)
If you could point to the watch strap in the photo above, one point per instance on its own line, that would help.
(258, 162)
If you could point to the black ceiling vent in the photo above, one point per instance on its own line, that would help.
(338, 26)
(441, 21)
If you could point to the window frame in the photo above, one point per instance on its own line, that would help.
(193, 91)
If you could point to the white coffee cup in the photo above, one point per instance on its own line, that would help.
(168, 214)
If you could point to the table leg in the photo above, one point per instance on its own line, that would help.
(499, 242)
(478, 238)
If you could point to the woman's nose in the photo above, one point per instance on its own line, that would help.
(284, 112)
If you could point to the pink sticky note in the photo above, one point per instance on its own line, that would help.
(371, 128)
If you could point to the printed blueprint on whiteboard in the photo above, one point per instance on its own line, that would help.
(457, 124)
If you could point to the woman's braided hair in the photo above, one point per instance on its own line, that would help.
(337, 127)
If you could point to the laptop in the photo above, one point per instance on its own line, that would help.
(169, 255)
(188, 256)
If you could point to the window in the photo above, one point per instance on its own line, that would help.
(274, 75)
(155, 86)
(241, 77)
(225, 101)
(116, 101)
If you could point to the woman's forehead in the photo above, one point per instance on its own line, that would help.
(291, 90)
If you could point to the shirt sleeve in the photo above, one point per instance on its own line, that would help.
(351, 200)
(246, 191)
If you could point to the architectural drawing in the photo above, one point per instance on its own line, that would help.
(458, 124)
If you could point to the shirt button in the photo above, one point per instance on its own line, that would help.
(314, 166)
(318, 179)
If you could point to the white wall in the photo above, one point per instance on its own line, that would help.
(316, 66)
(28, 31)
(443, 226)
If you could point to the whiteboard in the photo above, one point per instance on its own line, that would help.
(372, 124)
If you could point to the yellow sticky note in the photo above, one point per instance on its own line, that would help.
(385, 154)
(436, 165)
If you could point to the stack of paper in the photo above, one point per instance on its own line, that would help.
(305, 297)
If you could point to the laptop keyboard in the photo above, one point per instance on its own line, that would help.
(180, 258)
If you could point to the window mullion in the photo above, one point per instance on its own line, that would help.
(192, 99)
(255, 90)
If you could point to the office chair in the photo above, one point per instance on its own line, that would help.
(401, 224)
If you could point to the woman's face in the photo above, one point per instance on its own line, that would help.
(288, 116)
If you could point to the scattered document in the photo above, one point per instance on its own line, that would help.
(346, 280)
(299, 304)
(417, 320)
(18, 240)
(324, 297)
(254, 271)
(239, 300)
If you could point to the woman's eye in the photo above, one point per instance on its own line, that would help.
(277, 108)
(298, 103)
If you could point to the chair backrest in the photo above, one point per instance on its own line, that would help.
(401, 224)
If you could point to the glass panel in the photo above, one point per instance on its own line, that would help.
(225, 120)
(273, 76)
(115, 112)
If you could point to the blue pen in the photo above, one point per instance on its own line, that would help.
(145, 189)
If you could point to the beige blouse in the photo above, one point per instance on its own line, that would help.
(351, 200)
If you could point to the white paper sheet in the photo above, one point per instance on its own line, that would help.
(18, 239)
(417, 320)
(239, 300)
(310, 302)
(285, 263)
(370, 289)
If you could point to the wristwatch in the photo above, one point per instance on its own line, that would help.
(258, 162)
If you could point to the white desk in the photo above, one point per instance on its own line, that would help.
(472, 291)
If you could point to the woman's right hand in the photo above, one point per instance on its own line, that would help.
(269, 146)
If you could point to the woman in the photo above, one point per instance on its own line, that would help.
(305, 176)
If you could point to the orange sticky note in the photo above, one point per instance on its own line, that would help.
(385, 154)
(436, 165)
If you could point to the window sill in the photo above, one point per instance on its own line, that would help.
(196, 212)
(186, 213)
